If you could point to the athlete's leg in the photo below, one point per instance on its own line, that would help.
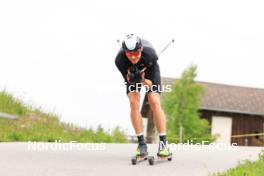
(160, 122)
(134, 100)
(136, 119)
(158, 113)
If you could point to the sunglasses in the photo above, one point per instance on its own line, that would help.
(133, 53)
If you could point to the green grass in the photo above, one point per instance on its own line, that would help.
(11, 105)
(248, 168)
(34, 124)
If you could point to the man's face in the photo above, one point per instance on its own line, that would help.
(134, 56)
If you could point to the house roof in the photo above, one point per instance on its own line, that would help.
(227, 98)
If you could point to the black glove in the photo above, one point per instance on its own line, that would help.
(134, 75)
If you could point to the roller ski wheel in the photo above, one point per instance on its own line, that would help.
(137, 159)
(151, 160)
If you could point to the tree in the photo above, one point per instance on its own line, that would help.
(102, 136)
(181, 106)
(118, 135)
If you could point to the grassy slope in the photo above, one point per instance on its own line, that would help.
(35, 125)
(248, 168)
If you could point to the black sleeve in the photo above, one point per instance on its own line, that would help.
(150, 56)
(121, 65)
(150, 72)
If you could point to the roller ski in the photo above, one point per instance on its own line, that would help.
(163, 154)
(140, 155)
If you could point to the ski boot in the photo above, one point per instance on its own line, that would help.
(141, 154)
(163, 154)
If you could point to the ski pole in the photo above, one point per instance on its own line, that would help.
(166, 47)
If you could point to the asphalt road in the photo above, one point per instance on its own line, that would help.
(47, 159)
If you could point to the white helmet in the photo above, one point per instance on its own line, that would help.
(131, 43)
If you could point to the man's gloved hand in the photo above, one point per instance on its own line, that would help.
(134, 75)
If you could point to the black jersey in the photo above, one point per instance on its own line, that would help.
(148, 59)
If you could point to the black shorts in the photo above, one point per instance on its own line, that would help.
(152, 73)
